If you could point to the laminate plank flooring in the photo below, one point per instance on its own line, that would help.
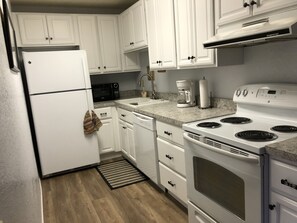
(84, 197)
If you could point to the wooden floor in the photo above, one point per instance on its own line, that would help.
(84, 197)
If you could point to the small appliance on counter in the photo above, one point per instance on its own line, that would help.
(204, 94)
(105, 92)
(186, 93)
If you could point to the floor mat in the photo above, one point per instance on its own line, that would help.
(120, 173)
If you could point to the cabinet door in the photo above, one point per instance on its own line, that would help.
(60, 28)
(271, 5)
(88, 36)
(166, 34)
(130, 134)
(106, 136)
(123, 137)
(33, 29)
(204, 30)
(285, 210)
(130, 61)
(152, 28)
(125, 20)
(231, 10)
(185, 32)
(139, 25)
(109, 43)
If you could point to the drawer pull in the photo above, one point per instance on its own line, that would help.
(271, 207)
(171, 184)
(167, 133)
(124, 127)
(123, 115)
(169, 157)
(287, 183)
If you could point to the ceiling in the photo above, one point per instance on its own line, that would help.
(105, 4)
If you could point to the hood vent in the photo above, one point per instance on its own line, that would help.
(255, 32)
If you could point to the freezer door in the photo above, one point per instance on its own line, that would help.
(54, 71)
(58, 120)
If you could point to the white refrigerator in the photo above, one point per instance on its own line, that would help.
(60, 94)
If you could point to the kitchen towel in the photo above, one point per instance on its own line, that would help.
(204, 95)
(91, 123)
(96, 121)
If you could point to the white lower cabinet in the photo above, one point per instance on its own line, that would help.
(107, 136)
(172, 160)
(285, 210)
(174, 182)
(126, 131)
(283, 192)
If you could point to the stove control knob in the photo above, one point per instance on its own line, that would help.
(245, 92)
(238, 92)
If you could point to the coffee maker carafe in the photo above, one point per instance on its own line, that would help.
(186, 93)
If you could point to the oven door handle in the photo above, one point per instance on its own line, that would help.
(249, 159)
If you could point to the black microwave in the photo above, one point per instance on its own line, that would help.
(105, 92)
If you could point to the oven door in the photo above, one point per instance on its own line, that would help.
(223, 181)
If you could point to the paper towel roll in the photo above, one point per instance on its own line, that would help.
(204, 95)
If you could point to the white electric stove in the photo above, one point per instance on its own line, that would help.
(227, 166)
(268, 108)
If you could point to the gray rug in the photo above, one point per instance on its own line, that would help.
(120, 173)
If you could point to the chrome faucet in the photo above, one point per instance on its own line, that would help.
(153, 96)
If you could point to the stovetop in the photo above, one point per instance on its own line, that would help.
(265, 114)
(226, 133)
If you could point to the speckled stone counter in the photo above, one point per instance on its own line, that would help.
(103, 104)
(285, 150)
(169, 113)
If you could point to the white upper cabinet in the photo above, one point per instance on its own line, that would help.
(88, 36)
(109, 43)
(231, 10)
(133, 27)
(130, 60)
(194, 25)
(46, 29)
(161, 34)
(271, 5)
(228, 11)
(99, 37)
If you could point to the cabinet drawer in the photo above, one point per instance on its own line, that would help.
(196, 215)
(175, 183)
(103, 113)
(170, 132)
(281, 176)
(172, 156)
(125, 115)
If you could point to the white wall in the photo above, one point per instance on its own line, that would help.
(272, 62)
(127, 81)
(20, 194)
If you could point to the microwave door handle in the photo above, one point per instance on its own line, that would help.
(226, 153)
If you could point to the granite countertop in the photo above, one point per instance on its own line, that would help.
(168, 112)
(285, 150)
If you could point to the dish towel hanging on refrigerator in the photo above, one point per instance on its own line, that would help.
(91, 123)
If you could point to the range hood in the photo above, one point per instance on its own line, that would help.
(255, 32)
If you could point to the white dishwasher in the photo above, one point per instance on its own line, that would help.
(145, 134)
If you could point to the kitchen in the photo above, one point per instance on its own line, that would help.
(267, 63)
